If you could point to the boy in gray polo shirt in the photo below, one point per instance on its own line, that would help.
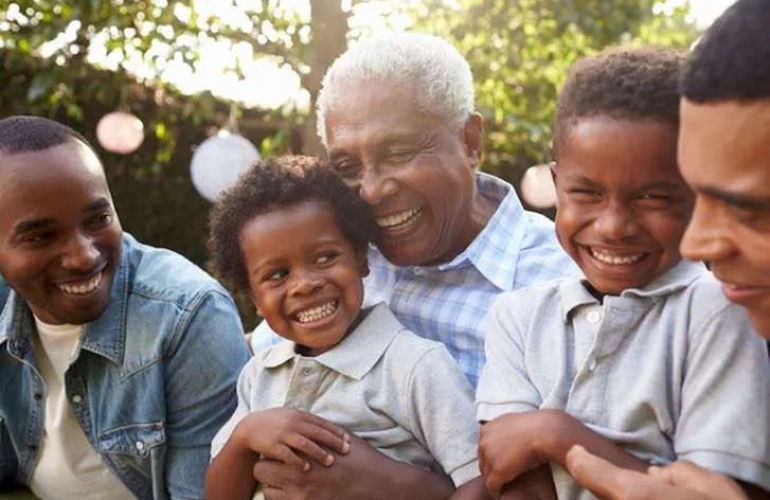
(643, 361)
(295, 237)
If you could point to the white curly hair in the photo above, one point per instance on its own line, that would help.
(431, 68)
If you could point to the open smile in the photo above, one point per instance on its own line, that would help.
(316, 313)
(615, 258)
(83, 287)
(399, 221)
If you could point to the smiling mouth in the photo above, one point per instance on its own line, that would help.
(82, 287)
(317, 313)
(615, 259)
(400, 220)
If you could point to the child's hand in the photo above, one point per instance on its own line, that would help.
(292, 437)
(513, 444)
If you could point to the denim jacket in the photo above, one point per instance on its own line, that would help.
(152, 381)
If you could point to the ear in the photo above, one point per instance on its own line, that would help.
(363, 263)
(552, 168)
(253, 299)
(473, 133)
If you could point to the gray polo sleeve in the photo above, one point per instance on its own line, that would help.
(726, 385)
(505, 386)
(243, 390)
(441, 415)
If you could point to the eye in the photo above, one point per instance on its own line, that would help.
(37, 239)
(276, 275)
(584, 194)
(655, 200)
(100, 220)
(348, 170)
(400, 156)
(326, 258)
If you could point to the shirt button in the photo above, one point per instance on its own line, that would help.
(594, 317)
(307, 372)
(592, 365)
(140, 446)
(38, 396)
(77, 399)
(418, 271)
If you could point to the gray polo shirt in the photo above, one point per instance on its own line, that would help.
(669, 371)
(403, 394)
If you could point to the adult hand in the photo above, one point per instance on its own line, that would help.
(361, 474)
(292, 437)
(678, 481)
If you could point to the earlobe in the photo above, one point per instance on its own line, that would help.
(363, 264)
(472, 138)
(552, 168)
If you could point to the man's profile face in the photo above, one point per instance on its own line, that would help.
(417, 173)
(724, 155)
(60, 239)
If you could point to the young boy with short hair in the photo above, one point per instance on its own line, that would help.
(294, 236)
(642, 361)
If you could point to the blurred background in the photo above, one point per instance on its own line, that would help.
(165, 81)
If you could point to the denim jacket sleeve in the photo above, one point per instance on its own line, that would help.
(202, 368)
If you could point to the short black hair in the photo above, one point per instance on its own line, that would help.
(275, 184)
(626, 83)
(28, 134)
(732, 59)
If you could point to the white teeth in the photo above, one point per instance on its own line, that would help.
(82, 288)
(615, 260)
(398, 219)
(317, 313)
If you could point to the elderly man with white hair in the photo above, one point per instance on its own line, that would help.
(396, 115)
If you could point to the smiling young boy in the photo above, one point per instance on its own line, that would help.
(293, 236)
(642, 361)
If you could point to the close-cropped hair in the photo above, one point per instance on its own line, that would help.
(625, 83)
(428, 67)
(732, 59)
(29, 134)
(276, 184)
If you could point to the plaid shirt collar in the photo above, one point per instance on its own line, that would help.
(495, 251)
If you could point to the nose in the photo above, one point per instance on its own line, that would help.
(376, 185)
(80, 253)
(305, 282)
(707, 237)
(616, 222)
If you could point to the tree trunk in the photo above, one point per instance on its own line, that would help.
(329, 27)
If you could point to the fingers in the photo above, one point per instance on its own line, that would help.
(595, 474)
(274, 474)
(308, 447)
(610, 482)
(325, 433)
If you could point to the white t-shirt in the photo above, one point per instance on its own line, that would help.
(67, 466)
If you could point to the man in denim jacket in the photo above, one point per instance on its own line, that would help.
(118, 361)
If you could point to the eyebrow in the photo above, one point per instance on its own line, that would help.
(26, 226)
(737, 199)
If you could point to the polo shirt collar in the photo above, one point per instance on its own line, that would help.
(357, 354)
(573, 292)
(495, 251)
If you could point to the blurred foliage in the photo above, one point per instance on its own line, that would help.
(520, 50)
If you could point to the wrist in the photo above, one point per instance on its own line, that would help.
(554, 435)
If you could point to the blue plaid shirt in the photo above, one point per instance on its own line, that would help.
(449, 302)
